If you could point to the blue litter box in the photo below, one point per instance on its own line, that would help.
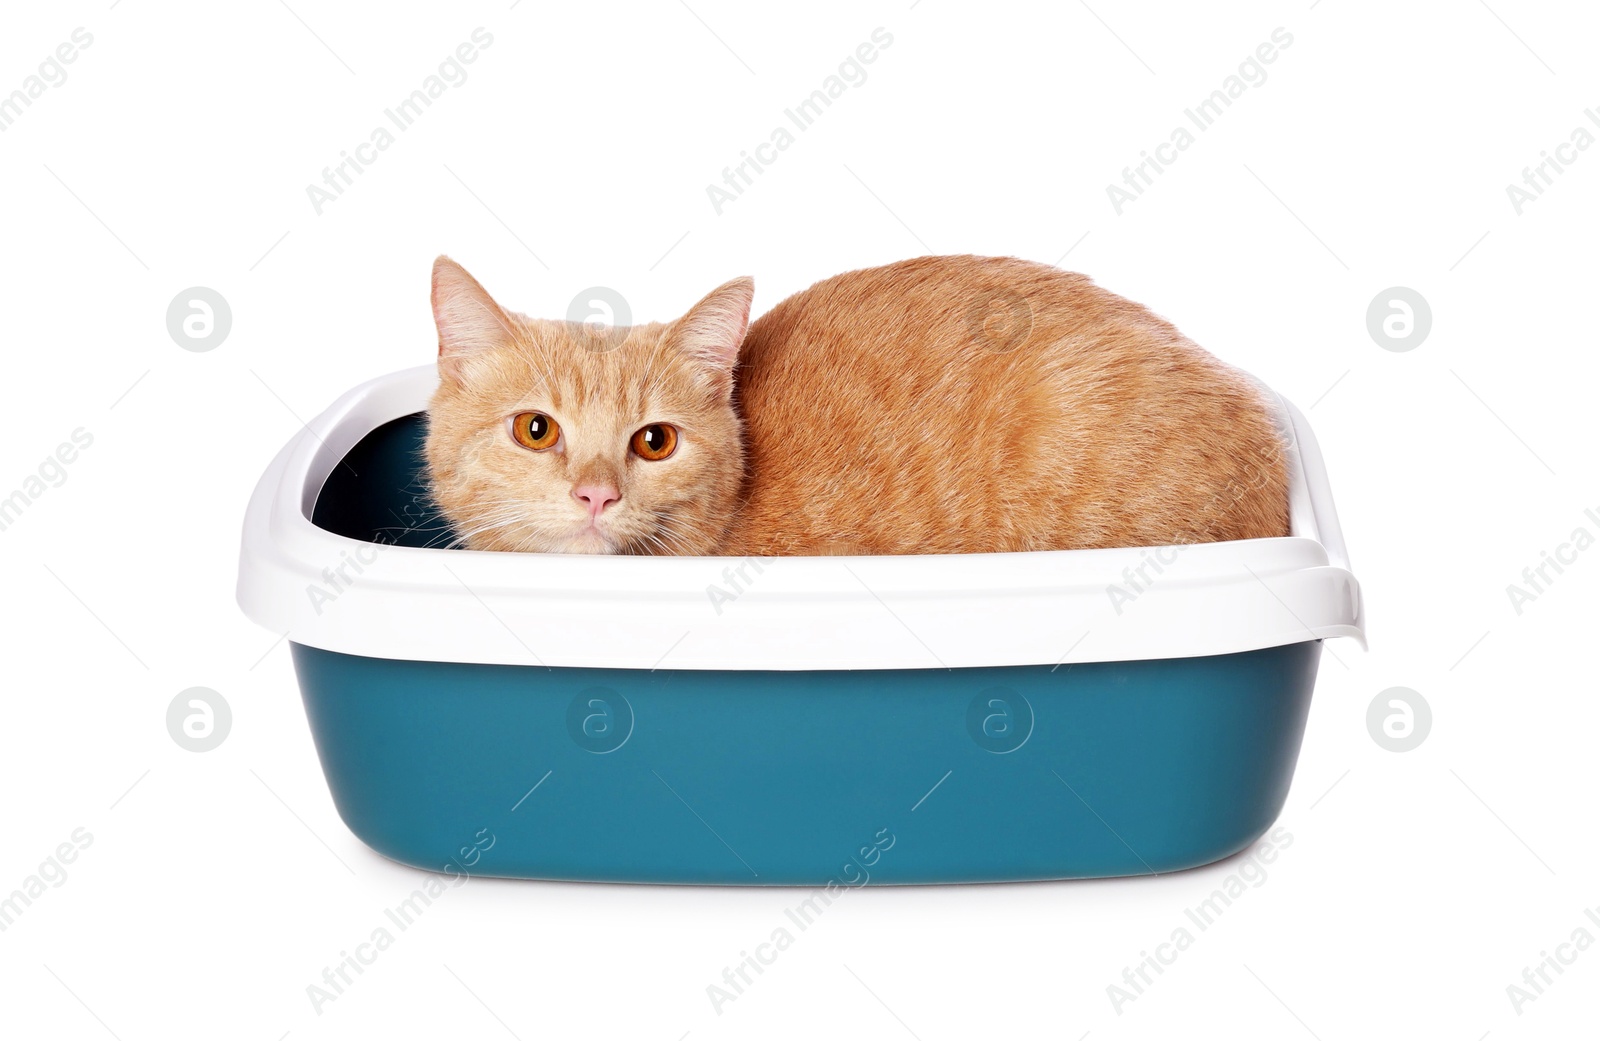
(818, 721)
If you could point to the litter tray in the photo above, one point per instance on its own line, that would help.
(818, 721)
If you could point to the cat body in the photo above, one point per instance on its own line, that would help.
(937, 405)
(965, 404)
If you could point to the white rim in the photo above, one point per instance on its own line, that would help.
(797, 613)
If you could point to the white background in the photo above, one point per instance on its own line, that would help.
(1377, 153)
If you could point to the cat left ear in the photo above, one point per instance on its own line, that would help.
(714, 329)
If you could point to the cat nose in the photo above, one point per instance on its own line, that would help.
(596, 496)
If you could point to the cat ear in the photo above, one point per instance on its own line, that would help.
(714, 329)
(467, 317)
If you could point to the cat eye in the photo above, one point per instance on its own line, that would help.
(535, 430)
(655, 442)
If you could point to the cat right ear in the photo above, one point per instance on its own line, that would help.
(467, 317)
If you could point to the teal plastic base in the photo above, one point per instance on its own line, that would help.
(794, 778)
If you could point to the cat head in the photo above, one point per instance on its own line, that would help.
(562, 437)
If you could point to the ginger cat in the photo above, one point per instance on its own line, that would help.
(938, 405)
